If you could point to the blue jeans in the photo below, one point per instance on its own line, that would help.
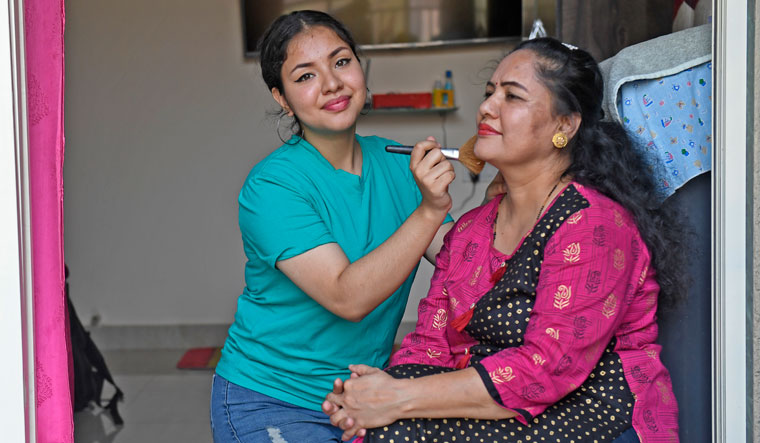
(240, 415)
(629, 436)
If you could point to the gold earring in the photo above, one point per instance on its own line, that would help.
(559, 140)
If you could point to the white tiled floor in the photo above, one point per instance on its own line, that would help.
(161, 403)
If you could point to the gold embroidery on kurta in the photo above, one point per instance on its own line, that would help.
(538, 360)
(618, 218)
(572, 253)
(591, 352)
(501, 375)
(439, 319)
(643, 275)
(562, 297)
(664, 392)
(464, 225)
(608, 310)
(618, 260)
(475, 276)
(652, 354)
(433, 353)
(554, 333)
(575, 218)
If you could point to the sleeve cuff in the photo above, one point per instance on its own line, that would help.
(522, 416)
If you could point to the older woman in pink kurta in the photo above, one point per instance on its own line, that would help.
(540, 322)
(578, 293)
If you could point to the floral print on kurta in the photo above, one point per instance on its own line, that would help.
(584, 279)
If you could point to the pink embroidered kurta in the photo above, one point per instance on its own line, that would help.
(595, 286)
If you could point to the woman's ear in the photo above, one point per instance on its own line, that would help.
(569, 124)
(282, 101)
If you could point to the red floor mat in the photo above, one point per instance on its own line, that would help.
(200, 358)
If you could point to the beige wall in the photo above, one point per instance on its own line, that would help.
(164, 119)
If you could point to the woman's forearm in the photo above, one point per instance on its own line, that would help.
(373, 398)
(435, 246)
(353, 290)
(369, 281)
(452, 394)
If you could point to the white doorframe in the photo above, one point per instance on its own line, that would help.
(731, 404)
(731, 376)
(17, 405)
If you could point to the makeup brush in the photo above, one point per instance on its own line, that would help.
(465, 154)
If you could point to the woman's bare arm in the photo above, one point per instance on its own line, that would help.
(374, 399)
(353, 290)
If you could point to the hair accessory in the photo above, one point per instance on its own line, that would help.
(569, 46)
(537, 30)
(559, 140)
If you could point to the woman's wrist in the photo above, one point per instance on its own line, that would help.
(432, 215)
(408, 398)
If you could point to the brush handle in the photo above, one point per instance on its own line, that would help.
(396, 149)
(450, 153)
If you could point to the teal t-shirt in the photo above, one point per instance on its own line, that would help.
(283, 343)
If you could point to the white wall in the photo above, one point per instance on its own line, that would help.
(164, 119)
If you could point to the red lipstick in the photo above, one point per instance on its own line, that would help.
(484, 129)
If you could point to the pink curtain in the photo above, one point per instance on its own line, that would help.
(44, 23)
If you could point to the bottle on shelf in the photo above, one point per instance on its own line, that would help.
(438, 94)
(448, 91)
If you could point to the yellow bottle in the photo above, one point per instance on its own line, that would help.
(437, 94)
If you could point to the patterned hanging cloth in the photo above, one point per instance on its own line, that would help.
(43, 27)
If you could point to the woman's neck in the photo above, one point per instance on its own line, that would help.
(341, 149)
(527, 197)
(527, 186)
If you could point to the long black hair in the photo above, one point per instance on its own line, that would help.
(273, 45)
(604, 157)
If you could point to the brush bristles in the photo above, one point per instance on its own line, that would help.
(467, 156)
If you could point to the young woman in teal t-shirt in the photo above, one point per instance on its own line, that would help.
(333, 228)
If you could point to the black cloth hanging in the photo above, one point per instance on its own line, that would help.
(90, 370)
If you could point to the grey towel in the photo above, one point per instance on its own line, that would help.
(654, 58)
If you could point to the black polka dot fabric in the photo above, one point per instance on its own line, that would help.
(599, 410)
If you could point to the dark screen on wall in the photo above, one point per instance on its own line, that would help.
(397, 23)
